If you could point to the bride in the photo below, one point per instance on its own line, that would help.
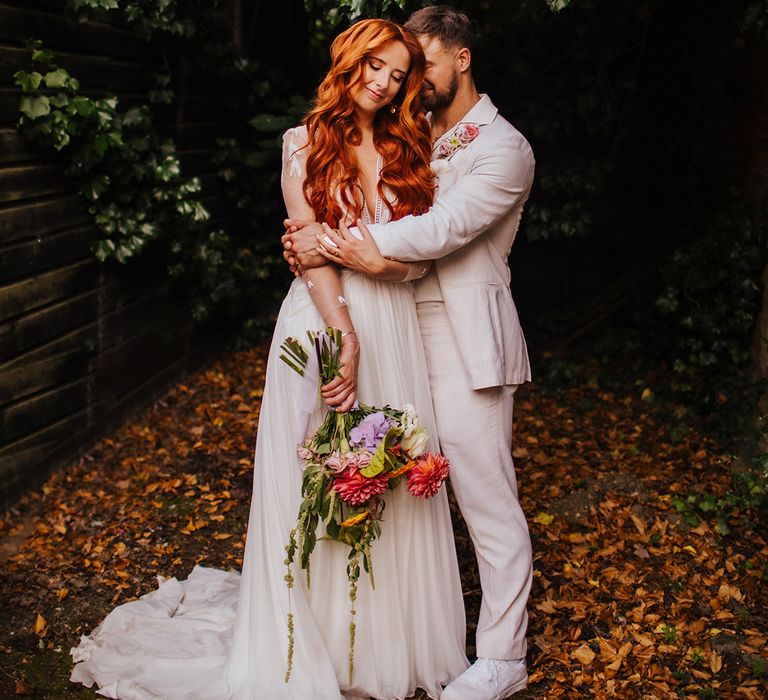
(364, 152)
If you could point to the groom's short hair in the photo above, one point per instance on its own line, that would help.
(446, 23)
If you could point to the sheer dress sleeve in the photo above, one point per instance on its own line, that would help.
(324, 283)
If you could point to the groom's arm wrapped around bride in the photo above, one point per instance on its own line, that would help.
(494, 175)
(482, 188)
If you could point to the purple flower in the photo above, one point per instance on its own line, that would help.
(370, 431)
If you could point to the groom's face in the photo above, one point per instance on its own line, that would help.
(441, 78)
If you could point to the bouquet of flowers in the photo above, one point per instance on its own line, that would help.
(350, 461)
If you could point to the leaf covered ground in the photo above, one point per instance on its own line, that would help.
(630, 599)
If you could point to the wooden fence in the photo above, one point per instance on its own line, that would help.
(82, 343)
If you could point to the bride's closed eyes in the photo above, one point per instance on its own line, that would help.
(376, 65)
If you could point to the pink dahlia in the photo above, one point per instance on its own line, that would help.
(428, 474)
(355, 489)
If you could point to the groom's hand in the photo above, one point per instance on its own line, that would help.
(300, 245)
(355, 250)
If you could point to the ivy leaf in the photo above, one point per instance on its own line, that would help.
(83, 106)
(43, 56)
(103, 249)
(115, 138)
(95, 4)
(136, 116)
(161, 96)
(60, 100)
(259, 159)
(27, 81)
(96, 186)
(35, 107)
(558, 5)
(168, 169)
(200, 213)
(269, 122)
(56, 78)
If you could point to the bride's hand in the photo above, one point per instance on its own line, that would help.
(361, 254)
(340, 393)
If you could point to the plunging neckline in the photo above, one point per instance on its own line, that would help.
(378, 204)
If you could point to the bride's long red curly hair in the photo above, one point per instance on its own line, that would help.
(402, 137)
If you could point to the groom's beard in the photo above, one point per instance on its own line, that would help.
(440, 100)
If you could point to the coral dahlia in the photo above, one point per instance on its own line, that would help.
(355, 489)
(428, 474)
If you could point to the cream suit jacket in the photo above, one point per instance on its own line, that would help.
(469, 232)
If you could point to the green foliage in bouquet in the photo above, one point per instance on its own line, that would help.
(326, 346)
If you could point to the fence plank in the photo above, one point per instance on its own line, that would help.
(32, 219)
(34, 329)
(18, 297)
(24, 181)
(31, 414)
(83, 337)
(59, 34)
(56, 6)
(14, 147)
(38, 376)
(29, 257)
(107, 315)
(28, 460)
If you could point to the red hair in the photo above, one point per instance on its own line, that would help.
(402, 137)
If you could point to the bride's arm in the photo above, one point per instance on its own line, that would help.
(367, 258)
(323, 283)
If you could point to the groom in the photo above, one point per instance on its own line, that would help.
(476, 353)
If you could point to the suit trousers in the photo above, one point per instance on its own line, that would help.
(475, 434)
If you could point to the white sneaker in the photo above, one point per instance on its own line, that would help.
(488, 679)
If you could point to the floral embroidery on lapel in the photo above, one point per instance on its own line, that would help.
(463, 135)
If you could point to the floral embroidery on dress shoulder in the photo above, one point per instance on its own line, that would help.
(293, 149)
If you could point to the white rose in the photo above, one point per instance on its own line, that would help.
(416, 443)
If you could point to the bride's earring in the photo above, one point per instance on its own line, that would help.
(392, 108)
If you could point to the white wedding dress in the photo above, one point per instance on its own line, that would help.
(222, 635)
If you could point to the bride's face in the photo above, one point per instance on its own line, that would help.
(384, 73)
